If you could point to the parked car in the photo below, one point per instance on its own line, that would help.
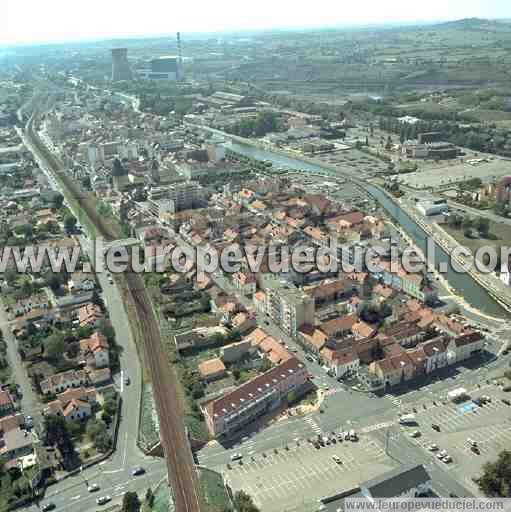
(433, 448)
(471, 442)
(447, 459)
(435, 427)
(103, 499)
(506, 401)
(337, 459)
(93, 488)
(415, 433)
(236, 456)
(138, 471)
(48, 506)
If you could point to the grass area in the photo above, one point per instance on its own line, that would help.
(149, 431)
(501, 231)
(213, 489)
(163, 499)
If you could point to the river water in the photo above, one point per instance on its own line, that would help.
(463, 284)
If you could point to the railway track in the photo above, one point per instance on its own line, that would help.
(182, 474)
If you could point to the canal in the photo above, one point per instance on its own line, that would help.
(464, 285)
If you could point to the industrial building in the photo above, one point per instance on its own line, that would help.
(161, 68)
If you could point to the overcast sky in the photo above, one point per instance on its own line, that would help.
(57, 20)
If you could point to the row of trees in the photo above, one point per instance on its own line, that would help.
(467, 223)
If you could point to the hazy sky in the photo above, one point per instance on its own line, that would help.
(53, 20)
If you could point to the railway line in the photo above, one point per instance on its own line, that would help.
(182, 474)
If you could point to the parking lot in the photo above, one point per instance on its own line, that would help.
(279, 480)
(488, 426)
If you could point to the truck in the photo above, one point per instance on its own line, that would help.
(458, 395)
(407, 419)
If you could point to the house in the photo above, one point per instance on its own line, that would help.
(244, 322)
(235, 351)
(59, 382)
(80, 282)
(235, 410)
(6, 403)
(100, 376)
(464, 346)
(393, 370)
(245, 282)
(340, 362)
(90, 315)
(362, 330)
(313, 339)
(73, 404)
(15, 443)
(436, 354)
(24, 306)
(95, 350)
(338, 327)
(212, 369)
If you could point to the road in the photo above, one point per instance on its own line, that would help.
(29, 402)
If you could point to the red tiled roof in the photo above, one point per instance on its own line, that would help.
(253, 388)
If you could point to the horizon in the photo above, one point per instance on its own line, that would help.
(57, 23)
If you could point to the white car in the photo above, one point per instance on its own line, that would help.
(103, 499)
(93, 488)
(433, 448)
(236, 456)
(337, 459)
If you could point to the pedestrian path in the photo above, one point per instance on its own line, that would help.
(314, 426)
(377, 426)
(394, 399)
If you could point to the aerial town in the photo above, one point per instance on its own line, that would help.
(270, 387)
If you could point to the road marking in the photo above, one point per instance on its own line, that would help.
(122, 381)
(75, 498)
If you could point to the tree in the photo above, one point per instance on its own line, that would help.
(243, 503)
(69, 222)
(496, 478)
(149, 498)
(98, 434)
(55, 347)
(130, 502)
(483, 226)
(117, 168)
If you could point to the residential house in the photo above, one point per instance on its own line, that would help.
(245, 282)
(59, 382)
(436, 354)
(6, 403)
(90, 315)
(212, 369)
(73, 404)
(95, 350)
(80, 282)
(340, 362)
(235, 351)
